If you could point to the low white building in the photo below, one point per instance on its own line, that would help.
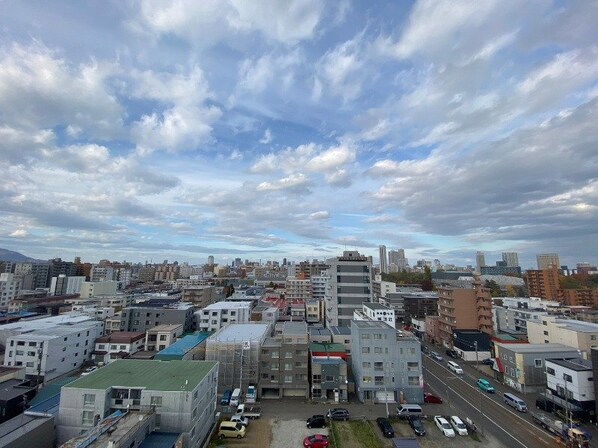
(54, 350)
(92, 289)
(162, 336)
(570, 384)
(117, 345)
(215, 316)
(376, 312)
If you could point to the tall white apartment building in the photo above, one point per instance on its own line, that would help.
(350, 286)
(318, 286)
(215, 316)
(102, 274)
(92, 289)
(66, 285)
(545, 261)
(52, 351)
(10, 287)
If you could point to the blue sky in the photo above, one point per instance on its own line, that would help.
(154, 129)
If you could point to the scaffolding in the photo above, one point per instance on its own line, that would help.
(238, 362)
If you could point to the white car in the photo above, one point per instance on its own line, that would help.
(89, 370)
(458, 425)
(240, 419)
(444, 426)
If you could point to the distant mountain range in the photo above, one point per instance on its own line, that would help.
(9, 255)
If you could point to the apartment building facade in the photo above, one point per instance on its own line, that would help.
(582, 336)
(284, 362)
(217, 315)
(349, 287)
(387, 365)
(464, 309)
(181, 394)
(544, 283)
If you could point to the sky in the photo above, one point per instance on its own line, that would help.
(138, 130)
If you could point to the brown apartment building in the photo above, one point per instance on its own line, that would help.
(581, 297)
(544, 283)
(464, 309)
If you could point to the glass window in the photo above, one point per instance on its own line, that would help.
(89, 399)
(87, 418)
(156, 401)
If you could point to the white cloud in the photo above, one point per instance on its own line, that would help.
(339, 178)
(331, 158)
(267, 138)
(323, 214)
(342, 70)
(287, 22)
(292, 182)
(19, 233)
(40, 89)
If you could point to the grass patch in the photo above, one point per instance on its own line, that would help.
(334, 430)
(362, 430)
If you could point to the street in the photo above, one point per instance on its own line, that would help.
(486, 410)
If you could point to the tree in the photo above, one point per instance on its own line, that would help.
(493, 287)
(427, 284)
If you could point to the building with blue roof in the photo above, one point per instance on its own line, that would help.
(190, 347)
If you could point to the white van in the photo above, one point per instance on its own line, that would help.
(235, 397)
(515, 402)
(453, 366)
(409, 410)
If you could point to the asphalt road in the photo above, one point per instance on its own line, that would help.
(512, 428)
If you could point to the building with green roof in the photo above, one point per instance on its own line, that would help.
(181, 393)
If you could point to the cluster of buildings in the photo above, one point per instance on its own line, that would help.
(91, 352)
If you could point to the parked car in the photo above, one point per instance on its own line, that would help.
(89, 370)
(316, 421)
(485, 386)
(385, 427)
(436, 356)
(338, 414)
(452, 353)
(231, 429)
(429, 398)
(417, 425)
(444, 426)
(488, 362)
(316, 441)
(225, 400)
(458, 425)
(240, 419)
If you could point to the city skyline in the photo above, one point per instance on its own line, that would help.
(299, 129)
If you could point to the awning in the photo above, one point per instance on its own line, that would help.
(497, 366)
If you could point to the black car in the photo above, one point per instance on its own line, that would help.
(316, 421)
(338, 414)
(385, 427)
(488, 362)
(452, 353)
(417, 425)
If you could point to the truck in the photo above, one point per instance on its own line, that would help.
(250, 412)
(251, 395)
(574, 437)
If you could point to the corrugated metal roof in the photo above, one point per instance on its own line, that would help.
(183, 345)
(151, 374)
(160, 440)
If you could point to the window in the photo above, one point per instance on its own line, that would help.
(367, 379)
(162, 337)
(158, 420)
(537, 362)
(593, 337)
(568, 378)
(317, 378)
(32, 344)
(288, 378)
(545, 333)
(413, 380)
(379, 366)
(19, 352)
(365, 336)
(23, 342)
(288, 366)
(29, 364)
(89, 399)
(412, 366)
(156, 401)
(379, 380)
(101, 347)
(329, 378)
(87, 418)
(550, 371)
(365, 349)
(377, 336)
(378, 350)
(366, 365)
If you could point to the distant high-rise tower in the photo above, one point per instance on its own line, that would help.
(480, 260)
(397, 260)
(511, 258)
(211, 260)
(383, 260)
(545, 261)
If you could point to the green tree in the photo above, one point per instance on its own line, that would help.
(427, 284)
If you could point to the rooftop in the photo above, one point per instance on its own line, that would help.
(152, 375)
(11, 389)
(576, 364)
(536, 348)
(55, 331)
(121, 337)
(290, 328)
(576, 325)
(184, 344)
(160, 440)
(371, 324)
(376, 306)
(240, 332)
(346, 331)
(326, 348)
(227, 305)
(165, 327)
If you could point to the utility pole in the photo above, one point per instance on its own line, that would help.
(569, 413)
(475, 344)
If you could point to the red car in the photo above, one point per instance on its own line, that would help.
(429, 398)
(316, 441)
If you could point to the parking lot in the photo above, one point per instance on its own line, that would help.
(356, 433)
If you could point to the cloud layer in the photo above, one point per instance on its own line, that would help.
(182, 129)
